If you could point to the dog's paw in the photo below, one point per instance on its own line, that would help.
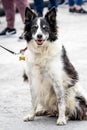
(61, 121)
(29, 118)
(41, 113)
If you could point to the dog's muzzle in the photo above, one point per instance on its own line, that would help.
(39, 40)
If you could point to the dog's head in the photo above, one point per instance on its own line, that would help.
(40, 29)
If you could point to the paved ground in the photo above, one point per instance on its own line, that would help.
(14, 93)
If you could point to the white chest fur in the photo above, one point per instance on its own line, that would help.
(41, 69)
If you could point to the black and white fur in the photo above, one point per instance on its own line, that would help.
(52, 77)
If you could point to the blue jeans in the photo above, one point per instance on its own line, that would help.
(75, 2)
(38, 5)
(53, 3)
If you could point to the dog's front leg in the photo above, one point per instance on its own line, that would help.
(61, 103)
(35, 83)
(59, 91)
(34, 102)
(32, 112)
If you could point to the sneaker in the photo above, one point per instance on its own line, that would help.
(8, 32)
(72, 10)
(81, 11)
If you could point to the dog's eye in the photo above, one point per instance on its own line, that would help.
(34, 27)
(45, 27)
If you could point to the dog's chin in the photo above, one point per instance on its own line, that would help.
(39, 42)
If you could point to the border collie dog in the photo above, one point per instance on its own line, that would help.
(51, 76)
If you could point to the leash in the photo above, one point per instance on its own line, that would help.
(22, 57)
(12, 52)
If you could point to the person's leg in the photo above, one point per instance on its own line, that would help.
(38, 5)
(52, 3)
(71, 2)
(79, 8)
(79, 2)
(9, 8)
(21, 5)
(76, 6)
(71, 6)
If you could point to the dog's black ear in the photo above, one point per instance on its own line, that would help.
(51, 16)
(29, 15)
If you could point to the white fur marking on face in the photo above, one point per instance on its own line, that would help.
(39, 31)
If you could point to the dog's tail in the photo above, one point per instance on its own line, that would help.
(80, 111)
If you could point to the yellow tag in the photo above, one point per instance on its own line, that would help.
(21, 58)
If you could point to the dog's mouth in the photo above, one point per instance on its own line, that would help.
(39, 42)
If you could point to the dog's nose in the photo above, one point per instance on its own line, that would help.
(39, 36)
